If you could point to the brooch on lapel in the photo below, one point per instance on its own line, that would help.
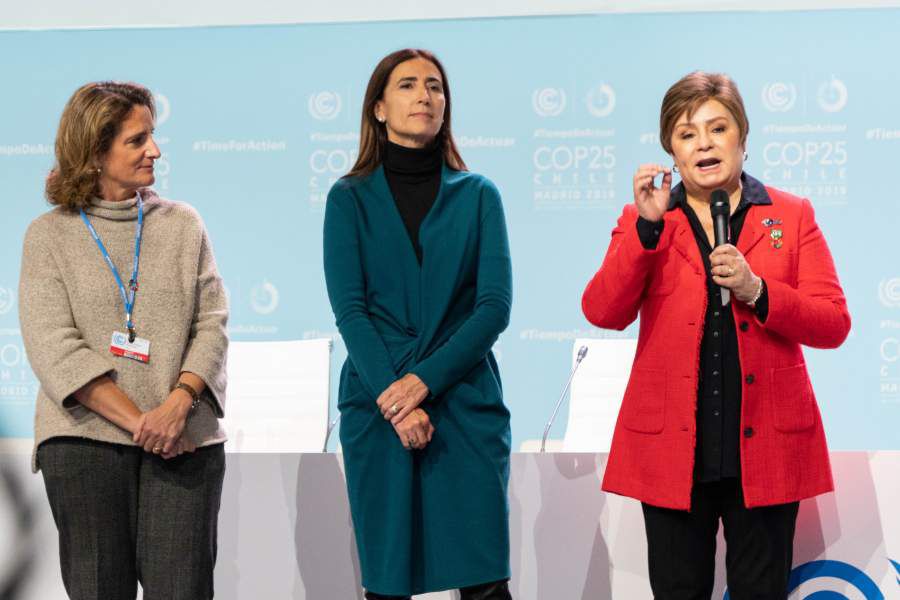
(775, 234)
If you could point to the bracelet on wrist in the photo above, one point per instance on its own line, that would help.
(195, 397)
(758, 294)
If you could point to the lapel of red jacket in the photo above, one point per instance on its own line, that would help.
(683, 239)
(752, 232)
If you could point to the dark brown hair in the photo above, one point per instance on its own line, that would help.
(373, 135)
(90, 122)
(692, 90)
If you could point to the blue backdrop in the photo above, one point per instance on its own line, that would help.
(256, 123)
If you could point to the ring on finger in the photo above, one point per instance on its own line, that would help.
(394, 409)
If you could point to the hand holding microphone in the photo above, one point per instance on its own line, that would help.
(730, 270)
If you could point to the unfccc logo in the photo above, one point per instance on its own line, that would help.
(163, 108)
(832, 95)
(820, 577)
(7, 300)
(548, 102)
(889, 292)
(324, 106)
(264, 298)
(601, 100)
(779, 96)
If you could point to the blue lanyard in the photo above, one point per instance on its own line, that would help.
(127, 296)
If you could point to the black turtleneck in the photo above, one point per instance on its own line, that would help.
(414, 176)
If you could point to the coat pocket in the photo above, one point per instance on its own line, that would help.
(793, 403)
(644, 404)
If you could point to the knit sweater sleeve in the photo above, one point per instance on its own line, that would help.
(493, 302)
(346, 284)
(59, 355)
(207, 346)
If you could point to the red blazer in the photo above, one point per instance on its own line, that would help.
(783, 452)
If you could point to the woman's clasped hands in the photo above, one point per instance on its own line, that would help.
(399, 404)
(162, 430)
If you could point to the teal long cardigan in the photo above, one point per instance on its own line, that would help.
(437, 518)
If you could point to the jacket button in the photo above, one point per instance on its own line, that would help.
(748, 432)
(744, 326)
(750, 378)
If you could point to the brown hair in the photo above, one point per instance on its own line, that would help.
(373, 135)
(90, 122)
(692, 90)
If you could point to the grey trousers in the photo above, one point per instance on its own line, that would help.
(125, 516)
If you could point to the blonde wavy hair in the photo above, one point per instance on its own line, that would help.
(90, 122)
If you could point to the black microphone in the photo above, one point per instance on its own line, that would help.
(720, 209)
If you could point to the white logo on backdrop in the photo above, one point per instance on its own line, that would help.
(833, 95)
(889, 292)
(601, 100)
(548, 102)
(163, 108)
(325, 106)
(7, 300)
(779, 96)
(264, 298)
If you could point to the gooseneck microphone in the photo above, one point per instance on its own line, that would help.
(720, 209)
(582, 352)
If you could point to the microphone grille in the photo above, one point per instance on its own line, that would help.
(719, 204)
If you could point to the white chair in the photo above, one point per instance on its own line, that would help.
(278, 396)
(596, 393)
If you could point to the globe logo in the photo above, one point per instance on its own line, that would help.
(264, 298)
(779, 96)
(832, 95)
(7, 300)
(601, 100)
(889, 292)
(548, 102)
(163, 108)
(324, 106)
(820, 579)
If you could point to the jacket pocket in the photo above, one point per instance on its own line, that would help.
(793, 403)
(644, 404)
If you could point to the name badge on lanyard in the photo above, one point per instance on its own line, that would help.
(122, 344)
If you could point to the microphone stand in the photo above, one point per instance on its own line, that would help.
(582, 352)
(328, 433)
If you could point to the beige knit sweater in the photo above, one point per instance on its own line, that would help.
(69, 306)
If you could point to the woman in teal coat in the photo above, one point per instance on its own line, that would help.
(418, 273)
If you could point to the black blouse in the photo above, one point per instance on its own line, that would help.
(414, 176)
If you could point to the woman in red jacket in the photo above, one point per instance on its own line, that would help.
(719, 420)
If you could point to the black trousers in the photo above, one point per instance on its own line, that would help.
(681, 545)
(125, 516)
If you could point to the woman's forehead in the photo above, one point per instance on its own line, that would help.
(699, 114)
(416, 67)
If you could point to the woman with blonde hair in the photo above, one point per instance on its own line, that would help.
(123, 317)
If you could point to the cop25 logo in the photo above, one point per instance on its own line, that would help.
(548, 102)
(779, 96)
(324, 106)
(889, 292)
(833, 573)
